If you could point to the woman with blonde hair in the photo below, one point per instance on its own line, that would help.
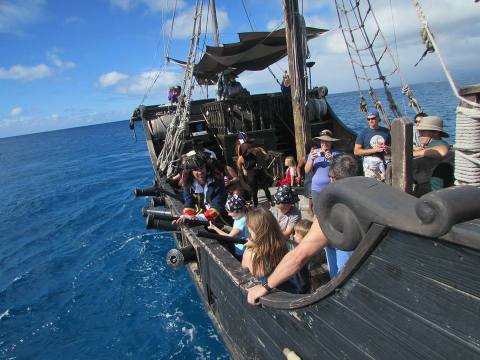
(266, 247)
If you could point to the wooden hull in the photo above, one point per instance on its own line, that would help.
(400, 297)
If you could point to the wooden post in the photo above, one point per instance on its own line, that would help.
(402, 154)
(215, 24)
(296, 67)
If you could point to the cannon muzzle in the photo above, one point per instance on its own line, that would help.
(176, 258)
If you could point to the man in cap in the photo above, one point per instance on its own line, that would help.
(372, 143)
(430, 133)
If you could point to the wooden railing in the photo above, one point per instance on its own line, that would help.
(252, 113)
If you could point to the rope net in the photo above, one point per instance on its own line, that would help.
(369, 54)
(177, 130)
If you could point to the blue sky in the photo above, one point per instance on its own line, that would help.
(72, 63)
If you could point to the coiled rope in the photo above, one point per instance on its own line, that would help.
(467, 146)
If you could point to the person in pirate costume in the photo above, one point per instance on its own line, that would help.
(204, 195)
(250, 169)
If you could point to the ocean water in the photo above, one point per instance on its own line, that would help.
(80, 277)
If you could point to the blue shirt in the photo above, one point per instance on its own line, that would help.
(320, 169)
(336, 260)
(241, 224)
(369, 138)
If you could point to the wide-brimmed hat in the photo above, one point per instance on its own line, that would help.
(235, 203)
(433, 123)
(193, 160)
(285, 195)
(326, 135)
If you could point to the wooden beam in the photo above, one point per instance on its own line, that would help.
(296, 67)
(402, 154)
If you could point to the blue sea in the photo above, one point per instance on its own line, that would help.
(80, 277)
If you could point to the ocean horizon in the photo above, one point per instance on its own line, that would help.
(352, 95)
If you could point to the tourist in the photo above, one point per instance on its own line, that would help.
(232, 88)
(417, 119)
(373, 143)
(248, 166)
(204, 196)
(290, 173)
(285, 211)
(266, 247)
(285, 87)
(301, 229)
(237, 209)
(318, 162)
(307, 183)
(315, 240)
(173, 95)
(430, 132)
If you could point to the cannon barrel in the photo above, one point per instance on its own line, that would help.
(152, 191)
(149, 210)
(176, 258)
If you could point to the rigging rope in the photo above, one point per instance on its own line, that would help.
(353, 20)
(177, 129)
(253, 29)
(166, 55)
(431, 39)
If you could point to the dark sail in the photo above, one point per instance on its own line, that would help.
(255, 51)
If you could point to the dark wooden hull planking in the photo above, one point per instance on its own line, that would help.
(400, 296)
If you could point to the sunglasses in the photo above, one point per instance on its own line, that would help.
(371, 118)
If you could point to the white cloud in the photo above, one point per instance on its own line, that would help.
(16, 111)
(15, 15)
(54, 58)
(110, 79)
(27, 73)
(34, 72)
(183, 23)
(151, 5)
(139, 84)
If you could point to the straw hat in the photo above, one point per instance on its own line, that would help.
(326, 135)
(433, 123)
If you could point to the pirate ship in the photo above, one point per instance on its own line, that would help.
(412, 286)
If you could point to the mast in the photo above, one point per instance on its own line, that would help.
(215, 23)
(294, 32)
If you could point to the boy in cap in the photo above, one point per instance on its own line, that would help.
(285, 211)
(372, 143)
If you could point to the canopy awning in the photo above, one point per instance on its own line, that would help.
(255, 51)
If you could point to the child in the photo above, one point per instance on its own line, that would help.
(315, 271)
(266, 247)
(301, 229)
(237, 210)
(290, 173)
(285, 211)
